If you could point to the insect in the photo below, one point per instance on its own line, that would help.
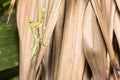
(36, 37)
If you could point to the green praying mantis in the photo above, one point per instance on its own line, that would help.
(36, 37)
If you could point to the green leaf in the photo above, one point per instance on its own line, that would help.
(8, 46)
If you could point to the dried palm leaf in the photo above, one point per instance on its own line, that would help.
(117, 26)
(94, 47)
(24, 13)
(10, 9)
(86, 25)
(111, 77)
(57, 42)
(46, 64)
(86, 74)
(110, 11)
(72, 61)
(118, 4)
(49, 30)
(100, 11)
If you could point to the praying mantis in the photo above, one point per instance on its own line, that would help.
(36, 37)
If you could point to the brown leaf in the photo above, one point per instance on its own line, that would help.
(94, 48)
(49, 29)
(24, 13)
(102, 19)
(72, 59)
(117, 26)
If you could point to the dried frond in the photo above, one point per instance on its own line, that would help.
(10, 9)
(81, 36)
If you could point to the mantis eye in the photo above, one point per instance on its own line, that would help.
(31, 21)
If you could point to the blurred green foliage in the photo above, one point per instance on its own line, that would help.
(9, 48)
(4, 5)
